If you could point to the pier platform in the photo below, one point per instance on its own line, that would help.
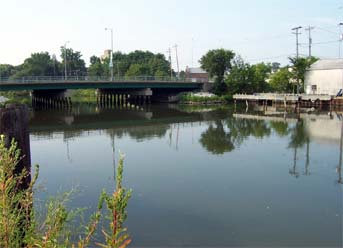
(302, 100)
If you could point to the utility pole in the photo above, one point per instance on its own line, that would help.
(118, 69)
(296, 29)
(340, 39)
(170, 62)
(192, 52)
(54, 63)
(111, 56)
(177, 60)
(309, 29)
(65, 60)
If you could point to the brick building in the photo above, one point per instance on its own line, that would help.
(197, 74)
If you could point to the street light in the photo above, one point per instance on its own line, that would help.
(111, 57)
(65, 60)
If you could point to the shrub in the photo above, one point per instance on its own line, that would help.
(20, 228)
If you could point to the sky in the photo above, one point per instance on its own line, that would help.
(257, 30)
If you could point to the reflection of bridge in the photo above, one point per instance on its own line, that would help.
(91, 118)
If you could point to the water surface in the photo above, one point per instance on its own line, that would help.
(201, 176)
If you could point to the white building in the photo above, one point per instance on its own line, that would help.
(325, 77)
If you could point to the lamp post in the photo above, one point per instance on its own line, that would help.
(111, 57)
(65, 60)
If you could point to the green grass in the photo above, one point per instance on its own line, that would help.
(190, 98)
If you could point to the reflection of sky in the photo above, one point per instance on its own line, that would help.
(184, 195)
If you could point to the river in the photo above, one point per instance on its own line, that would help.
(201, 176)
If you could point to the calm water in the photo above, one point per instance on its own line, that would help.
(201, 177)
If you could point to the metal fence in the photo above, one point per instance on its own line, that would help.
(71, 79)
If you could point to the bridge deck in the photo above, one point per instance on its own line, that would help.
(51, 83)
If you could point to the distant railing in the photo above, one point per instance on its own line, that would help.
(72, 79)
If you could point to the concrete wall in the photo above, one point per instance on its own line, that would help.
(327, 81)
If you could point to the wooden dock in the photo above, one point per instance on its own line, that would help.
(301, 100)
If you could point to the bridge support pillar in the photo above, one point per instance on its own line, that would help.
(46, 99)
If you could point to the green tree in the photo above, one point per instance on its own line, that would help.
(261, 73)
(140, 63)
(6, 70)
(159, 66)
(217, 63)
(38, 64)
(240, 79)
(76, 66)
(275, 66)
(138, 70)
(96, 68)
(280, 81)
(299, 68)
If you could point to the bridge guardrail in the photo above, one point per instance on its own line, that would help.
(72, 79)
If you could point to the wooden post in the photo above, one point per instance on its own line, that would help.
(14, 124)
(285, 102)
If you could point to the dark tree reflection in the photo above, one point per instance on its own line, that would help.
(241, 129)
(299, 137)
(280, 128)
(216, 140)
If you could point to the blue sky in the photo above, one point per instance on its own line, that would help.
(258, 30)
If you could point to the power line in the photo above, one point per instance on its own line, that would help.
(268, 58)
(327, 30)
(325, 42)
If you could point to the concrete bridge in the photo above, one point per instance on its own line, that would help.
(158, 88)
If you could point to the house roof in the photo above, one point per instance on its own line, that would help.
(196, 70)
(327, 64)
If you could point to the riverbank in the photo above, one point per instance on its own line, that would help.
(202, 98)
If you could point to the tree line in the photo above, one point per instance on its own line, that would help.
(137, 63)
(232, 75)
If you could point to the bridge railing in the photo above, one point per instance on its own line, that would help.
(71, 79)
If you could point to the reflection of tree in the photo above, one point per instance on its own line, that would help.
(140, 133)
(241, 129)
(216, 140)
(261, 129)
(280, 127)
(299, 137)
